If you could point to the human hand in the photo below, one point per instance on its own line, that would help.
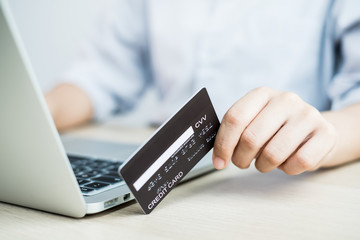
(69, 106)
(278, 130)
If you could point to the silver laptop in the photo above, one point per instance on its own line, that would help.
(35, 169)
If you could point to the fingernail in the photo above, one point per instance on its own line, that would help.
(219, 163)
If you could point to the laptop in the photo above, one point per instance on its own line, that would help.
(38, 169)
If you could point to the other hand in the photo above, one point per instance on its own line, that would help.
(277, 130)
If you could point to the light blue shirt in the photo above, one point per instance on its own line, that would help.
(308, 47)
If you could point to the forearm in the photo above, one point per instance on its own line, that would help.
(69, 106)
(346, 123)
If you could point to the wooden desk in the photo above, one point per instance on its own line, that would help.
(232, 203)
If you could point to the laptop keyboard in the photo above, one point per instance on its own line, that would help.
(95, 175)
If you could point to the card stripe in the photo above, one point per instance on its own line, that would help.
(163, 158)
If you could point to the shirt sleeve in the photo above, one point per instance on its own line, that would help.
(345, 87)
(111, 67)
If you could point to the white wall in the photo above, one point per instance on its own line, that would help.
(53, 30)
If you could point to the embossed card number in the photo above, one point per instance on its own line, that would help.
(164, 160)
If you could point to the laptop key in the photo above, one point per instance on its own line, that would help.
(106, 179)
(112, 174)
(80, 169)
(82, 181)
(100, 164)
(113, 167)
(82, 175)
(94, 173)
(78, 161)
(96, 185)
(86, 190)
(89, 174)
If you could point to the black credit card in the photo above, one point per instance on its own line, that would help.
(174, 149)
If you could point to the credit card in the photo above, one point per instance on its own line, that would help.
(174, 149)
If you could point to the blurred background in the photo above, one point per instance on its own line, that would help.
(53, 31)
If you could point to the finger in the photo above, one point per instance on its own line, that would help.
(285, 142)
(235, 121)
(255, 136)
(309, 155)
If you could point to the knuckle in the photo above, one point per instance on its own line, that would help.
(272, 155)
(331, 136)
(290, 97)
(310, 112)
(262, 90)
(304, 161)
(249, 140)
(329, 130)
(232, 117)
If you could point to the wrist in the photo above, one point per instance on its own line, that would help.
(345, 122)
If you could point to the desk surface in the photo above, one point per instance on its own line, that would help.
(231, 203)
